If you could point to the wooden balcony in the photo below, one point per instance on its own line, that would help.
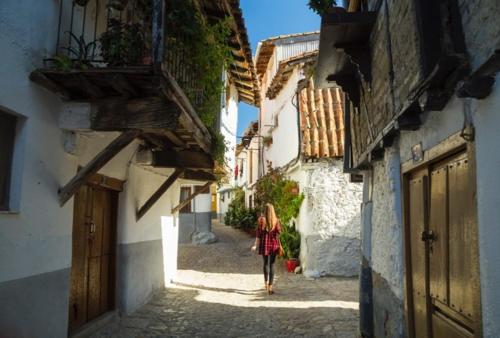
(154, 96)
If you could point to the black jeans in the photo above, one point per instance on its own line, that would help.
(269, 268)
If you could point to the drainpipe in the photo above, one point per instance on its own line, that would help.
(365, 277)
(292, 163)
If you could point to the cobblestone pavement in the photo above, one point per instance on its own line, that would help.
(220, 293)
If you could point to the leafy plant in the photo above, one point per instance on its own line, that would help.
(123, 43)
(283, 194)
(238, 215)
(219, 147)
(290, 240)
(267, 140)
(63, 63)
(80, 54)
(321, 6)
(202, 51)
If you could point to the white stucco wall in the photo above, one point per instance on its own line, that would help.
(285, 132)
(38, 238)
(386, 221)
(329, 219)
(487, 121)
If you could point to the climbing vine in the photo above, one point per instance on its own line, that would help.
(201, 51)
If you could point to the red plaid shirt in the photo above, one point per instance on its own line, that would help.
(268, 240)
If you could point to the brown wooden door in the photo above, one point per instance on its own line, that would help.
(93, 256)
(442, 244)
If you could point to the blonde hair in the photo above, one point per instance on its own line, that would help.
(270, 216)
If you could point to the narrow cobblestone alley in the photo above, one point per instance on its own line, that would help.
(219, 293)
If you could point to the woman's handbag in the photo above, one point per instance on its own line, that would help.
(281, 252)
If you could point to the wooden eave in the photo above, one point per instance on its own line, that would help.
(285, 70)
(242, 71)
(140, 98)
(266, 49)
(344, 49)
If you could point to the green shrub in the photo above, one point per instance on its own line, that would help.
(283, 194)
(290, 240)
(238, 215)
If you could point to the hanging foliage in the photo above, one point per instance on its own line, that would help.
(321, 6)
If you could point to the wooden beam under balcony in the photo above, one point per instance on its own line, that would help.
(190, 197)
(146, 114)
(158, 193)
(118, 114)
(189, 159)
(198, 175)
(96, 164)
(188, 118)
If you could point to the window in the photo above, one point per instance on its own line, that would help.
(185, 192)
(7, 137)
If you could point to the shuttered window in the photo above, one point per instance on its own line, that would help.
(7, 136)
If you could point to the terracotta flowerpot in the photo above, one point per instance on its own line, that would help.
(291, 264)
(147, 60)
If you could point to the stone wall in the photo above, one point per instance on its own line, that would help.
(387, 245)
(329, 220)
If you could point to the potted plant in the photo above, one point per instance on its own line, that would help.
(290, 240)
(267, 140)
(122, 44)
(321, 6)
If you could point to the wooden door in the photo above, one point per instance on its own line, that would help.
(443, 263)
(93, 255)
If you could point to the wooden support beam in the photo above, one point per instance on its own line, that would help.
(96, 164)
(158, 193)
(147, 113)
(169, 158)
(42, 80)
(188, 118)
(123, 86)
(190, 197)
(90, 88)
(198, 175)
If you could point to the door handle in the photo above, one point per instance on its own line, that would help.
(92, 227)
(429, 236)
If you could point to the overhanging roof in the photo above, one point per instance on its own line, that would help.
(266, 47)
(242, 71)
(285, 70)
(343, 45)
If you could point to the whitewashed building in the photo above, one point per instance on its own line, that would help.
(422, 127)
(248, 163)
(302, 132)
(92, 163)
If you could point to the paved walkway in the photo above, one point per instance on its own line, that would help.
(219, 293)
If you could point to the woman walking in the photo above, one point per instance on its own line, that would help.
(267, 240)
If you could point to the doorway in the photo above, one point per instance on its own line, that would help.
(92, 288)
(442, 283)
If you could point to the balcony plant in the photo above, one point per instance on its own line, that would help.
(321, 6)
(123, 44)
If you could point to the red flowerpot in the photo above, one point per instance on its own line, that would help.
(291, 264)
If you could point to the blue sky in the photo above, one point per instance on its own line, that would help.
(267, 18)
